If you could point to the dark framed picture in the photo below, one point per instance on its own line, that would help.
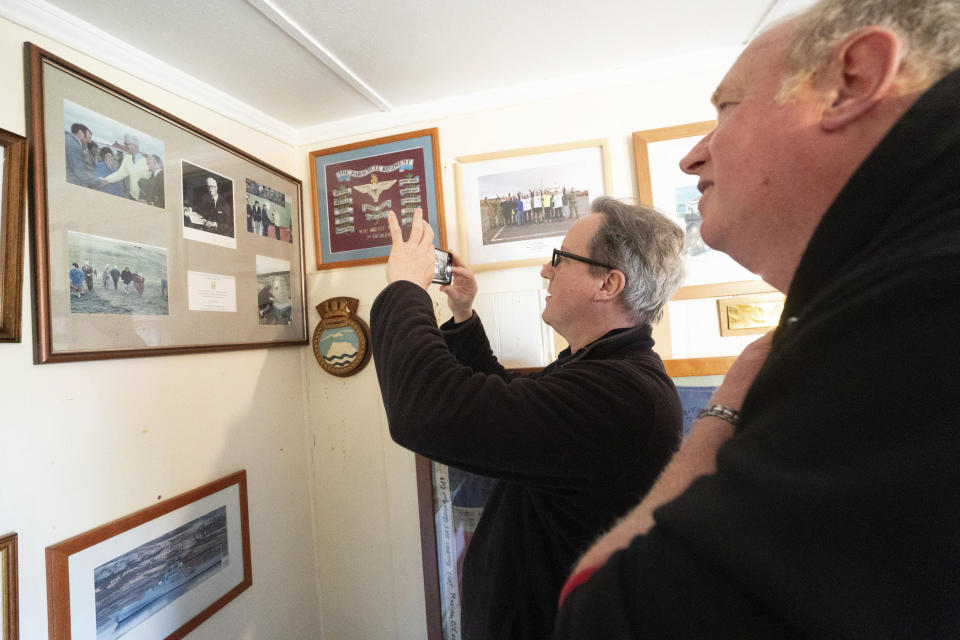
(355, 186)
(13, 180)
(156, 573)
(140, 248)
(9, 601)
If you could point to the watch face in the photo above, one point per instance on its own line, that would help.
(340, 341)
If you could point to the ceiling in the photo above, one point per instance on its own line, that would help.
(302, 69)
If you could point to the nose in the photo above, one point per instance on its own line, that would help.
(547, 271)
(696, 157)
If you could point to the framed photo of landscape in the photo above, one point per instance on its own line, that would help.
(13, 180)
(156, 573)
(355, 186)
(150, 235)
(515, 206)
(661, 183)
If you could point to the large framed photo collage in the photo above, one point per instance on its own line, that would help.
(151, 236)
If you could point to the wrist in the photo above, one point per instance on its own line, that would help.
(723, 412)
(462, 316)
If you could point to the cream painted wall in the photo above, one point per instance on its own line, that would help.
(367, 531)
(84, 443)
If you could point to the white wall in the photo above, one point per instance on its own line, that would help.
(84, 443)
(367, 531)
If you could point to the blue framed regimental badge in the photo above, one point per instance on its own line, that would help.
(340, 341)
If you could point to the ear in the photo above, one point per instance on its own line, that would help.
(611, 286)
(867, 64)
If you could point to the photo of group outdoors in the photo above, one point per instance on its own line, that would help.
(541, 211)
(268, 212)
(132, 587)
(207, 206)
(116, 277)
(111, 157)
(274, 301)
(527, 197)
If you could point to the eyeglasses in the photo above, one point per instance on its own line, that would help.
(557, 254)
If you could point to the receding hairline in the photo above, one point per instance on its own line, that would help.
(766, 38)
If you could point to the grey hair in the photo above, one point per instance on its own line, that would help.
(645, 245)
(929, 31)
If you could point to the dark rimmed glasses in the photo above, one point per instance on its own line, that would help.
(557, 254)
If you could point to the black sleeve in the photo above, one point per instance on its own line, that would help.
(554, 428)
(657, 590)
(469, 344)
(833, 511)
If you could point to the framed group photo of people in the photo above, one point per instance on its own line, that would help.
(356, 186)
(153, 237)
(515, 206)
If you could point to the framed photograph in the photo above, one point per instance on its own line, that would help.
(13, 180)
(140, 249)
(661, 183)
(9, 602)
(355, 186)
(451, 501)
(514, 207)
(156, 573)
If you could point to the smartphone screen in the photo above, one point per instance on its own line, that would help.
(442, 266)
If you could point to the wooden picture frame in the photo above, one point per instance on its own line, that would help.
(192, 549)
(661, 184)
(356, 185)
(13, 181)
(163, 219)
(496, 234)
(9, 600)
(446, 527)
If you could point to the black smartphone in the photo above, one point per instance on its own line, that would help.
(442, 266)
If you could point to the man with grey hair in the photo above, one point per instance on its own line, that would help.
(571, 446)
(133, 168)
(816, 496)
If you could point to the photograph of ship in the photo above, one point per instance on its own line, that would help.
(134, 586)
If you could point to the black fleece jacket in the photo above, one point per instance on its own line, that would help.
(574, 447)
